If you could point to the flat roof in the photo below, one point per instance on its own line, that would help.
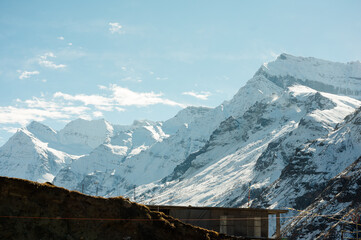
(269, 211)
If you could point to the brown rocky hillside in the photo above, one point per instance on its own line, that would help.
(31, 210)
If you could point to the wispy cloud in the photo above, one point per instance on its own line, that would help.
(64, 107)
(23, 115)
(131, 79)
(115, 27)
(45, 62)
(61, 38)
(161, 78)
(125, 97)
(202, 95)
(9, 129)
(97, 114)
(95, 100)
(27, 74)
(119, 97)
(269, 55)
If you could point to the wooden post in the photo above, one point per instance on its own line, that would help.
(278, 226)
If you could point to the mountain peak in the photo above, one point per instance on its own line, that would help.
(42, 131)
(321, 75)
(285, 56)
(84, 132)
(142, 123)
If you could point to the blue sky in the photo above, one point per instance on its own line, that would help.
(127, 60)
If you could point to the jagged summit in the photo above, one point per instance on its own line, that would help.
(84, 132)
(321, 75)
(141, 123)
(42, 131)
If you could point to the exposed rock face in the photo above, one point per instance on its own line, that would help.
(333, 212)
(31, 210)
(322, 177)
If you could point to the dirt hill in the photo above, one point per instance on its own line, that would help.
(30, 210)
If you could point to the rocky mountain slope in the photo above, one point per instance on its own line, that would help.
(31, 210)
(334, 212)
(252, 149)
(283, 133)
(334, 183)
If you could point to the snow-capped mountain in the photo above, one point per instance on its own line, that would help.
(25, 156)
(253, 148)
(282, 133)
(39, 153)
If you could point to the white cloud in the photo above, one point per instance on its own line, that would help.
(131, 79)
(125, 97)
(10, 129)
(45, 62)
(202, 95)
(115, 27)
(70, 44)
(95, 100)
(23, 115)
(39, 109)
(62, 106)
(97, 114)
(161, 78)
(268, 56)
(119, 109)
(102, 87)
(48, 54)
(61, 38)
(27, 74)
(119, 97)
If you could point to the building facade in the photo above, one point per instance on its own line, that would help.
(246, 222)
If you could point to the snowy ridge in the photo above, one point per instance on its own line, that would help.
(321, 75)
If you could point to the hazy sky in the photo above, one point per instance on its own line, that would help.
(126, 60)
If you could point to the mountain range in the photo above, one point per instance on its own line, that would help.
(291, 135)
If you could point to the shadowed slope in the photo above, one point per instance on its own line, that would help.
(31, 210)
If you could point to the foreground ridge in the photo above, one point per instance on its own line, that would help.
(32, 210)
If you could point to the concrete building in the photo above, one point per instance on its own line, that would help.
(245, 222)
